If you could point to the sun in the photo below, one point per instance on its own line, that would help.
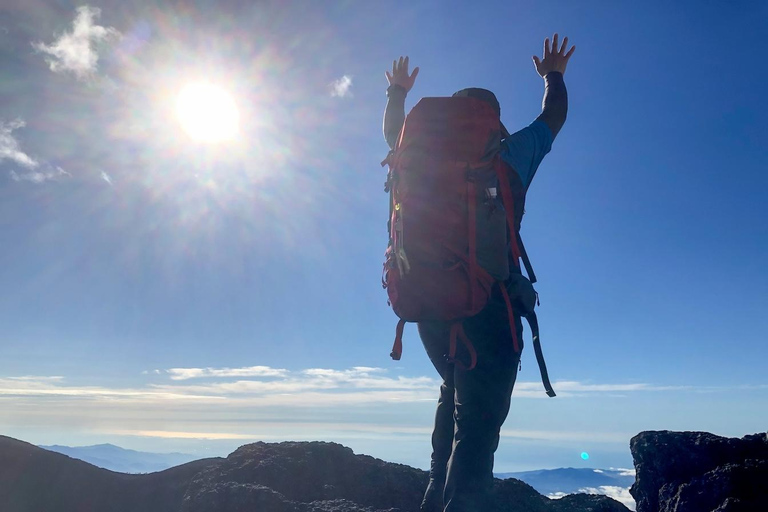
(207, 113)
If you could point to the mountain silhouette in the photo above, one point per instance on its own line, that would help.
(115, 458)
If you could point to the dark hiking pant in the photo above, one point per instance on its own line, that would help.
(471, 410)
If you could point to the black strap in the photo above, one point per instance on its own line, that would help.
(526, 261)
(534, 323)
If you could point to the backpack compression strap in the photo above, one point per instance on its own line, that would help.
(534, 323)
(518, 251)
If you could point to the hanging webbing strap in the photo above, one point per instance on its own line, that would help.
(526, 261)
(534, 323)
(509, 207)
(472, 238)
(511, 316)
(397, 348)
(517, 247)
(457, 333)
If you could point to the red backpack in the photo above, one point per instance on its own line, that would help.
(453, 205)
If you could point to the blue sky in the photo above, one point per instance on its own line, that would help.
(171, 295)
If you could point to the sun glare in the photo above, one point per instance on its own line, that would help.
(207, 113)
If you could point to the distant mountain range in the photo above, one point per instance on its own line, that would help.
(114, 458)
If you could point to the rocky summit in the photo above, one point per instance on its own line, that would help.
(328, 477)
(259, 477)
(700, 472)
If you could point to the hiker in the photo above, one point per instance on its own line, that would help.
(474, 403)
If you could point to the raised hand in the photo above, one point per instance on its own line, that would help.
(400, 74)
(554, 59)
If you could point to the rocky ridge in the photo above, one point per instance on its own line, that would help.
(328, 477)
(700, 472)
(280, 477)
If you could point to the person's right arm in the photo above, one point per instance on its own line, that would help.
(400, 82)
(524, 150)
(552, 68)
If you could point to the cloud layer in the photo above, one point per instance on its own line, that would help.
(620, 494)
(75, 51)
(278, 386)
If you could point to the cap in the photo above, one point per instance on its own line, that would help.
(488, 97)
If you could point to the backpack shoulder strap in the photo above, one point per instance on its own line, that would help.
(514, 215)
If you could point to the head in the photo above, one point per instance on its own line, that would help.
(488, 97)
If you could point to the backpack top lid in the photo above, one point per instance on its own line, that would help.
(486, 96)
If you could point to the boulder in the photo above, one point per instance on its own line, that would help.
(699, 472)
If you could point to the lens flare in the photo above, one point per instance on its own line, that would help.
(207, 113)
(585, 455)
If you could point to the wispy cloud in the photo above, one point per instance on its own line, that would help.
(591, 436)
(9, 145)
(75, 51)
(311, 387)
(40, 175)
(32, 386)
(342, 87)
(172, 434)
(265, 386)
(569, 388)
(37, 378)
(276, 431)
(250, 371)
(31, 169)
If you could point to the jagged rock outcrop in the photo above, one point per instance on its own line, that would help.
(700, 472)
(288, 477)
(328, 477)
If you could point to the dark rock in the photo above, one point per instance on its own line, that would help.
(311, 472)
(327, 477)
(699, 472)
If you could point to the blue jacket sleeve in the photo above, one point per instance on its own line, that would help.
(524, 150)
